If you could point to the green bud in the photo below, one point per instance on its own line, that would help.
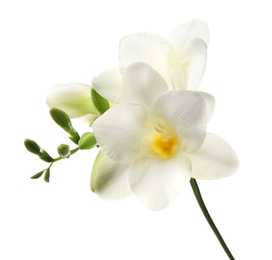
(100, 103)
(87, 141)
(64, 150)
(32, 146)
(63, 120)
(37, 175)
(47, 175)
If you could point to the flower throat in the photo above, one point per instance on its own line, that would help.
(163, 144)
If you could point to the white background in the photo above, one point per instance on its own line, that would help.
(48, 42)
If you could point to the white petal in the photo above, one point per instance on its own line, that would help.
(74, 99)
(186, 112)
(120, 131)
(109, 178)
(108, 84)
(150, 49)
(156, 183)
(186, 32)
(214, 160)
(142, 84)
(210, 103)
(196, 55)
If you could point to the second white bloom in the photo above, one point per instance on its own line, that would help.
(180, 59)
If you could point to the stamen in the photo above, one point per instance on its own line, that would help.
(161, 126)
(158, 130)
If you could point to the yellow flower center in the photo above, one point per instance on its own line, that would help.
(163, 145)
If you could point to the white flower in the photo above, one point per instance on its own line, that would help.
(74, 99)
(154, 141)
(180, 59)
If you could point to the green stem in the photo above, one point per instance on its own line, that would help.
(74, 150)
(47, 171)
(208, 217)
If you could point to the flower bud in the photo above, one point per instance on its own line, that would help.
(87, 141)
(63, 120)
(32, 146)
(64, 150)
(74, 99)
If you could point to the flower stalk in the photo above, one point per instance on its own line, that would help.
(208, 217)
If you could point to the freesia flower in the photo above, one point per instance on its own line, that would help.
(74, 99)
(149, 121)
(180, 59)
(155, 140)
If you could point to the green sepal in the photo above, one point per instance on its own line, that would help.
(75, 139)
(47, 175)
(64, 150)
(74, 136)
(87, 141)
(32, 146)
(37, 175)
(63, 120)
(100, 103)
(45, 156)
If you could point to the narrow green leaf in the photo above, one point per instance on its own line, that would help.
(101, 104)
(87, 141)
(37, 175)
(47, 175)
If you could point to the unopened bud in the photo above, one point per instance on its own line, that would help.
(32, 146)
(64, 150)
(63, 120)
(87, 141)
